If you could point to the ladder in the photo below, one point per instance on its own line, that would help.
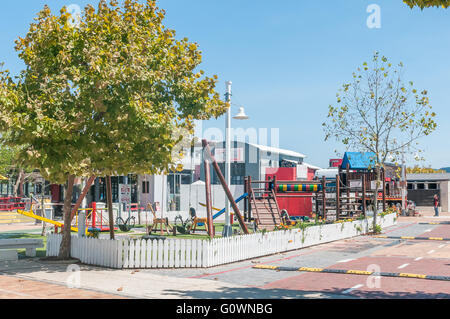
(264, 206)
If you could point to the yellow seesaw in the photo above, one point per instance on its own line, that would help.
(50, 221)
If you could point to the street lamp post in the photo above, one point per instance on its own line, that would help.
(227, 230)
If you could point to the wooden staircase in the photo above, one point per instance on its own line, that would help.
(264, 208)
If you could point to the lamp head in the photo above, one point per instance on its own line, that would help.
(241, 115)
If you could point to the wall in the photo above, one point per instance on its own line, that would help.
(422, 197)
(445, 195)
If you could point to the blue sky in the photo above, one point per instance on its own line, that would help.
(288, 58)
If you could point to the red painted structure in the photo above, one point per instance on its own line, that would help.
(336, 162)
(296, 206)
(11, 203)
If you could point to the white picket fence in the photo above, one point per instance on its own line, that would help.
(191, 253)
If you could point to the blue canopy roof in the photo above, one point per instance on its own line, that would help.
(359, 160)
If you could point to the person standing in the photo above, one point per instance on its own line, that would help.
(436, 205)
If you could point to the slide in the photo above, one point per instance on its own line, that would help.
(223, 210)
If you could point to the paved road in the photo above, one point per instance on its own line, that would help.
(241, 280)
(361, 253)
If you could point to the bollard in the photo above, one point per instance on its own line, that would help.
(81, 224)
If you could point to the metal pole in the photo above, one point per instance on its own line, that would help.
(403, 184)
(227, 230)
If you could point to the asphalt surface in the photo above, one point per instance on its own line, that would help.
(364, 253)
(242, 281)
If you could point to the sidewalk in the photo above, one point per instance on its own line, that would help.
(107, 283)
(18, 288)
(426, 216)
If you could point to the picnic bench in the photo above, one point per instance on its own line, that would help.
(8, 247)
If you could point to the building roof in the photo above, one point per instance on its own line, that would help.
(276, 150)
(358, 160)
(312, 166)
(428, 177)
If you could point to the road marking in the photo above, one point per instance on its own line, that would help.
(440, 246)
(412, 275)
(431, 251)
(353, 288)
(415, 238)
(403, 266)
(418, 258)
(428, 230)
(345, 260)
(355, 272)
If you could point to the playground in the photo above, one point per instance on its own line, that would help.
(266, 205)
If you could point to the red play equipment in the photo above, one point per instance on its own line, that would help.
(295, 205)
(96, 218)
(11, 203)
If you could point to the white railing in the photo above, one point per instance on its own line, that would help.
(191, 253)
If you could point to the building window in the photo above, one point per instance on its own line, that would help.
(237, 180)
(145, 187)
(410, 186)
(174, 191)
(421, 186)
(186, 177)
(433, 186)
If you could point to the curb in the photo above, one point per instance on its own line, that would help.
(415, 238)
(353, 272)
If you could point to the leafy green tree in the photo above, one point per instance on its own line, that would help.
(12, 167)
(7, 158)
(377, 112)
(423, 170)
(114, 93)
(427, 3)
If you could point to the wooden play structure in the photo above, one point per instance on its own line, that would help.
(356, 186)
(208, 160)
(263, 207)
(349, 196)
(356, 190)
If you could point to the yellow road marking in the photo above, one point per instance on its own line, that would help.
(265, 267)
(412, 275)
(359, 272)
(310, 269)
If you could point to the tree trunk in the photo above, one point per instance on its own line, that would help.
(110, 206)
(18, 187)
(64, 249)
(377, 186)
(83, 194)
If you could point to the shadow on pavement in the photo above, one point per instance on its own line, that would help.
(258, 293)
